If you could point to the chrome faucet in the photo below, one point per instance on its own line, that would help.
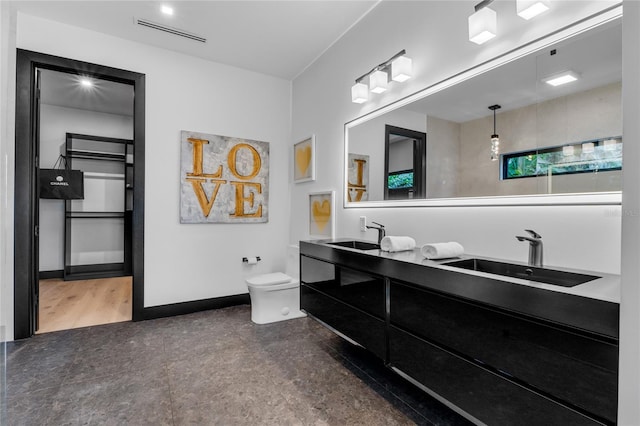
(535, 247)
(380, 229)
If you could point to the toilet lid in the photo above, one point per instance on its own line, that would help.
(267, 279)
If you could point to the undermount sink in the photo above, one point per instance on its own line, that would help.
(360, 245)
(542, 275)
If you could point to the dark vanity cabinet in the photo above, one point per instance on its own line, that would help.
(519, 365)
(349, 301)
(499, 353)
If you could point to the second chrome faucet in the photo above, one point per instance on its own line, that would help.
(535, 247)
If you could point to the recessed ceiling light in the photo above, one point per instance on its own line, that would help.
(86, 82)
(561, 78)
(528, 9)
(167, 10)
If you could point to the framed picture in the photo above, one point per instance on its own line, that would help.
(223, 179)
(304, 160)
(321, 214)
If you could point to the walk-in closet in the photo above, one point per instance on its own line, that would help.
(86, 125)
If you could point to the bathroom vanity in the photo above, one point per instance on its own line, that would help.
(497, 349)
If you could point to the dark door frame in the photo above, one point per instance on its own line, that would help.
(26, 178)
(419, 159)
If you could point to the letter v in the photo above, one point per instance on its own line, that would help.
(205, 204)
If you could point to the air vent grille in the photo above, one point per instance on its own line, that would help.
(170, 30)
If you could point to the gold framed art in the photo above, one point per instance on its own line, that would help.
(304, 160)
(322, 214)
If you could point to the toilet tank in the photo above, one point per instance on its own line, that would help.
(293, 261)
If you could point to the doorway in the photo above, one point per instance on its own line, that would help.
(405, 164)
(69, 252)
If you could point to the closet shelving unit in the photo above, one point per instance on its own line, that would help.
(110, 162)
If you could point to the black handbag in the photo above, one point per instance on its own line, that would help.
(61, 183)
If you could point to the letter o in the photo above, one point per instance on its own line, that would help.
(231, 160)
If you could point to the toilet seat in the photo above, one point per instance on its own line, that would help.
(269, 279)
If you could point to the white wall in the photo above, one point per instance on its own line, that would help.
(55, 122)
(190, 262)
(322, 104)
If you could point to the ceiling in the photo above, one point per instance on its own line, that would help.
(278, 38)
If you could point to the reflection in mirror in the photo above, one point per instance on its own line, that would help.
(554, 139)
(404, 164)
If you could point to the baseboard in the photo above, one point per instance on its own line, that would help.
(184, 308)
(46, 275)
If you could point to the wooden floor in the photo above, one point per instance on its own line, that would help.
(75, 304)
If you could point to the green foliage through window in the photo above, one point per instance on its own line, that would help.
(400, 180)
(603, 155)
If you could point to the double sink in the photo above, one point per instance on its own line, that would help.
(531, 273)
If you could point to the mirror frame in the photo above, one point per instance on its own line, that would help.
(587, 198)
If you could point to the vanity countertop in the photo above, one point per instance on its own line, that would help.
(606, 288)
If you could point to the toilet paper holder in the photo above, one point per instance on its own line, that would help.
(246, 259)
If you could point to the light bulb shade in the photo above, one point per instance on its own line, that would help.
(495, 147)
(359, 93)
(401, 69)
(378, 81)
(483, 25)
(567, 150)
(588, 147)
(527, 9)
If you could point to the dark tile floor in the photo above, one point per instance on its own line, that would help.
(214, 367)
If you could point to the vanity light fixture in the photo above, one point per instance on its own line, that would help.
(527, 9)
(400, 68)
(495, 139)
(483, 23)
(588, 147)
(86, 82)
(561, 78)
(359, 93)
(378, 81)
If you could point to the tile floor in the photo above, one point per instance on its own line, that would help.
(209, 368)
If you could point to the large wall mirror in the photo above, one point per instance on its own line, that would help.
(555, 140)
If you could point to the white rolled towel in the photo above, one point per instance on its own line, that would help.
(442, 250)
(397, 244)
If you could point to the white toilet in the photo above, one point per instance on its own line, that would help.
(276, 296)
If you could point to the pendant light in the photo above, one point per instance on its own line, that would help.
(495, 139)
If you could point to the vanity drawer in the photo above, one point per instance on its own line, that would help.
(488, 397)
(353, 323)
(359, 289)
(570, 366)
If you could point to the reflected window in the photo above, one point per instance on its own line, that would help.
(593, 156)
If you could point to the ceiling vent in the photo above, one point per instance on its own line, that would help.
(170, 30)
